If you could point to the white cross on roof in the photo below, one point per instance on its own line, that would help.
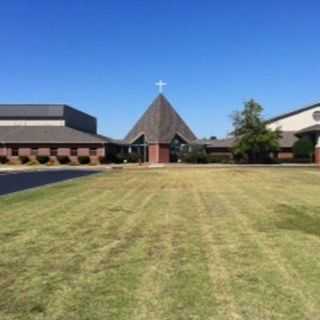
(160, 84)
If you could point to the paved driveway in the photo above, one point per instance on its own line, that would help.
(18, 181)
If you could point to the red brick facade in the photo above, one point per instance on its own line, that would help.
(285, 155)
(14, 152)
(317, 155)
(159, 153)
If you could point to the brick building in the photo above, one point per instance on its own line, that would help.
(61, 131)
(159, 128)
(302, 122)
(49, 130)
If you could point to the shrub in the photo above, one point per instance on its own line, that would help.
(63, 159)
(219, 158)
(3, 159)
(51, 162)
(24, 159)
(133, 157)
(119, 158)
(43, 159)
(84, 159)
(103, 160)
(197, 154)
(33, 162)
(303, 149)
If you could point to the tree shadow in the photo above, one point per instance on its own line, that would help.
(299, 218)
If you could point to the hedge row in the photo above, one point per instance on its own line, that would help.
(47, 160)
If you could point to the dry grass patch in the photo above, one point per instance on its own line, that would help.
(164, 244)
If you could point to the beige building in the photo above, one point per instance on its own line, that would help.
(301, 122)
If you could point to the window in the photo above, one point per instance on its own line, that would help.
(34, 151)
(74, 152)
(15, 152)
(316, 116)
(54, 152)
(93, 152)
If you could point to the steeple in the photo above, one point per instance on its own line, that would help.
(160, 124)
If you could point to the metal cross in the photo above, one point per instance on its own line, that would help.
(160, 84)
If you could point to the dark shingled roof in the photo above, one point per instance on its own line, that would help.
(311, 129)
(33, 111)
(221, 143)
(286, 141)
(73, 118)
(27, 111)
(47, 134)
(160, 123)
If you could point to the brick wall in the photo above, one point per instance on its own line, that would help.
(285, 155)
(164, 153)
(159, 153)
(3, 151)
(44, 151)
(317, 155)
(64, 151)
(24, 150)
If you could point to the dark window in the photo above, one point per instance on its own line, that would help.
(316, 116)
(74, 151)
(15, 152)
(93, 152)
(34, 151)
(54, 152)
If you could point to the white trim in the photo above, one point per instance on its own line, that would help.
(296, 122)
(318, 141)
(33, 123)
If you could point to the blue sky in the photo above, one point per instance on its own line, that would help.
(105, 56)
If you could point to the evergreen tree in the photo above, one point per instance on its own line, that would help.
(254, 141)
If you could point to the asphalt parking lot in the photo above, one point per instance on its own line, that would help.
(19, 181)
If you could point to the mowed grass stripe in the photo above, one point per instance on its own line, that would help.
(276, 279)
(61, 249)
(55, 217)
(277, 293)
(239, 249)
(61, 196)
(164, 244)
(157, 235)
(114, 252)
(103, 266)
(16, 202)
(188, 292)
(288, 252)
(226, 306)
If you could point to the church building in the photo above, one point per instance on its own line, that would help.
(56, 131)
(158, 128)
(302, 122)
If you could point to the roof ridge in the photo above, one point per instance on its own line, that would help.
(293, 112)
(160, 123)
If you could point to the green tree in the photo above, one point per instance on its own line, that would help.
(254, 141)
(193, 154)
(303, 149)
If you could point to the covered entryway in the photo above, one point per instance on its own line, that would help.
(312, 133)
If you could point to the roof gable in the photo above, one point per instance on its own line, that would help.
(293, 113)
(160, 123)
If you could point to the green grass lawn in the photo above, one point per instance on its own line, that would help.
(164, 244)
